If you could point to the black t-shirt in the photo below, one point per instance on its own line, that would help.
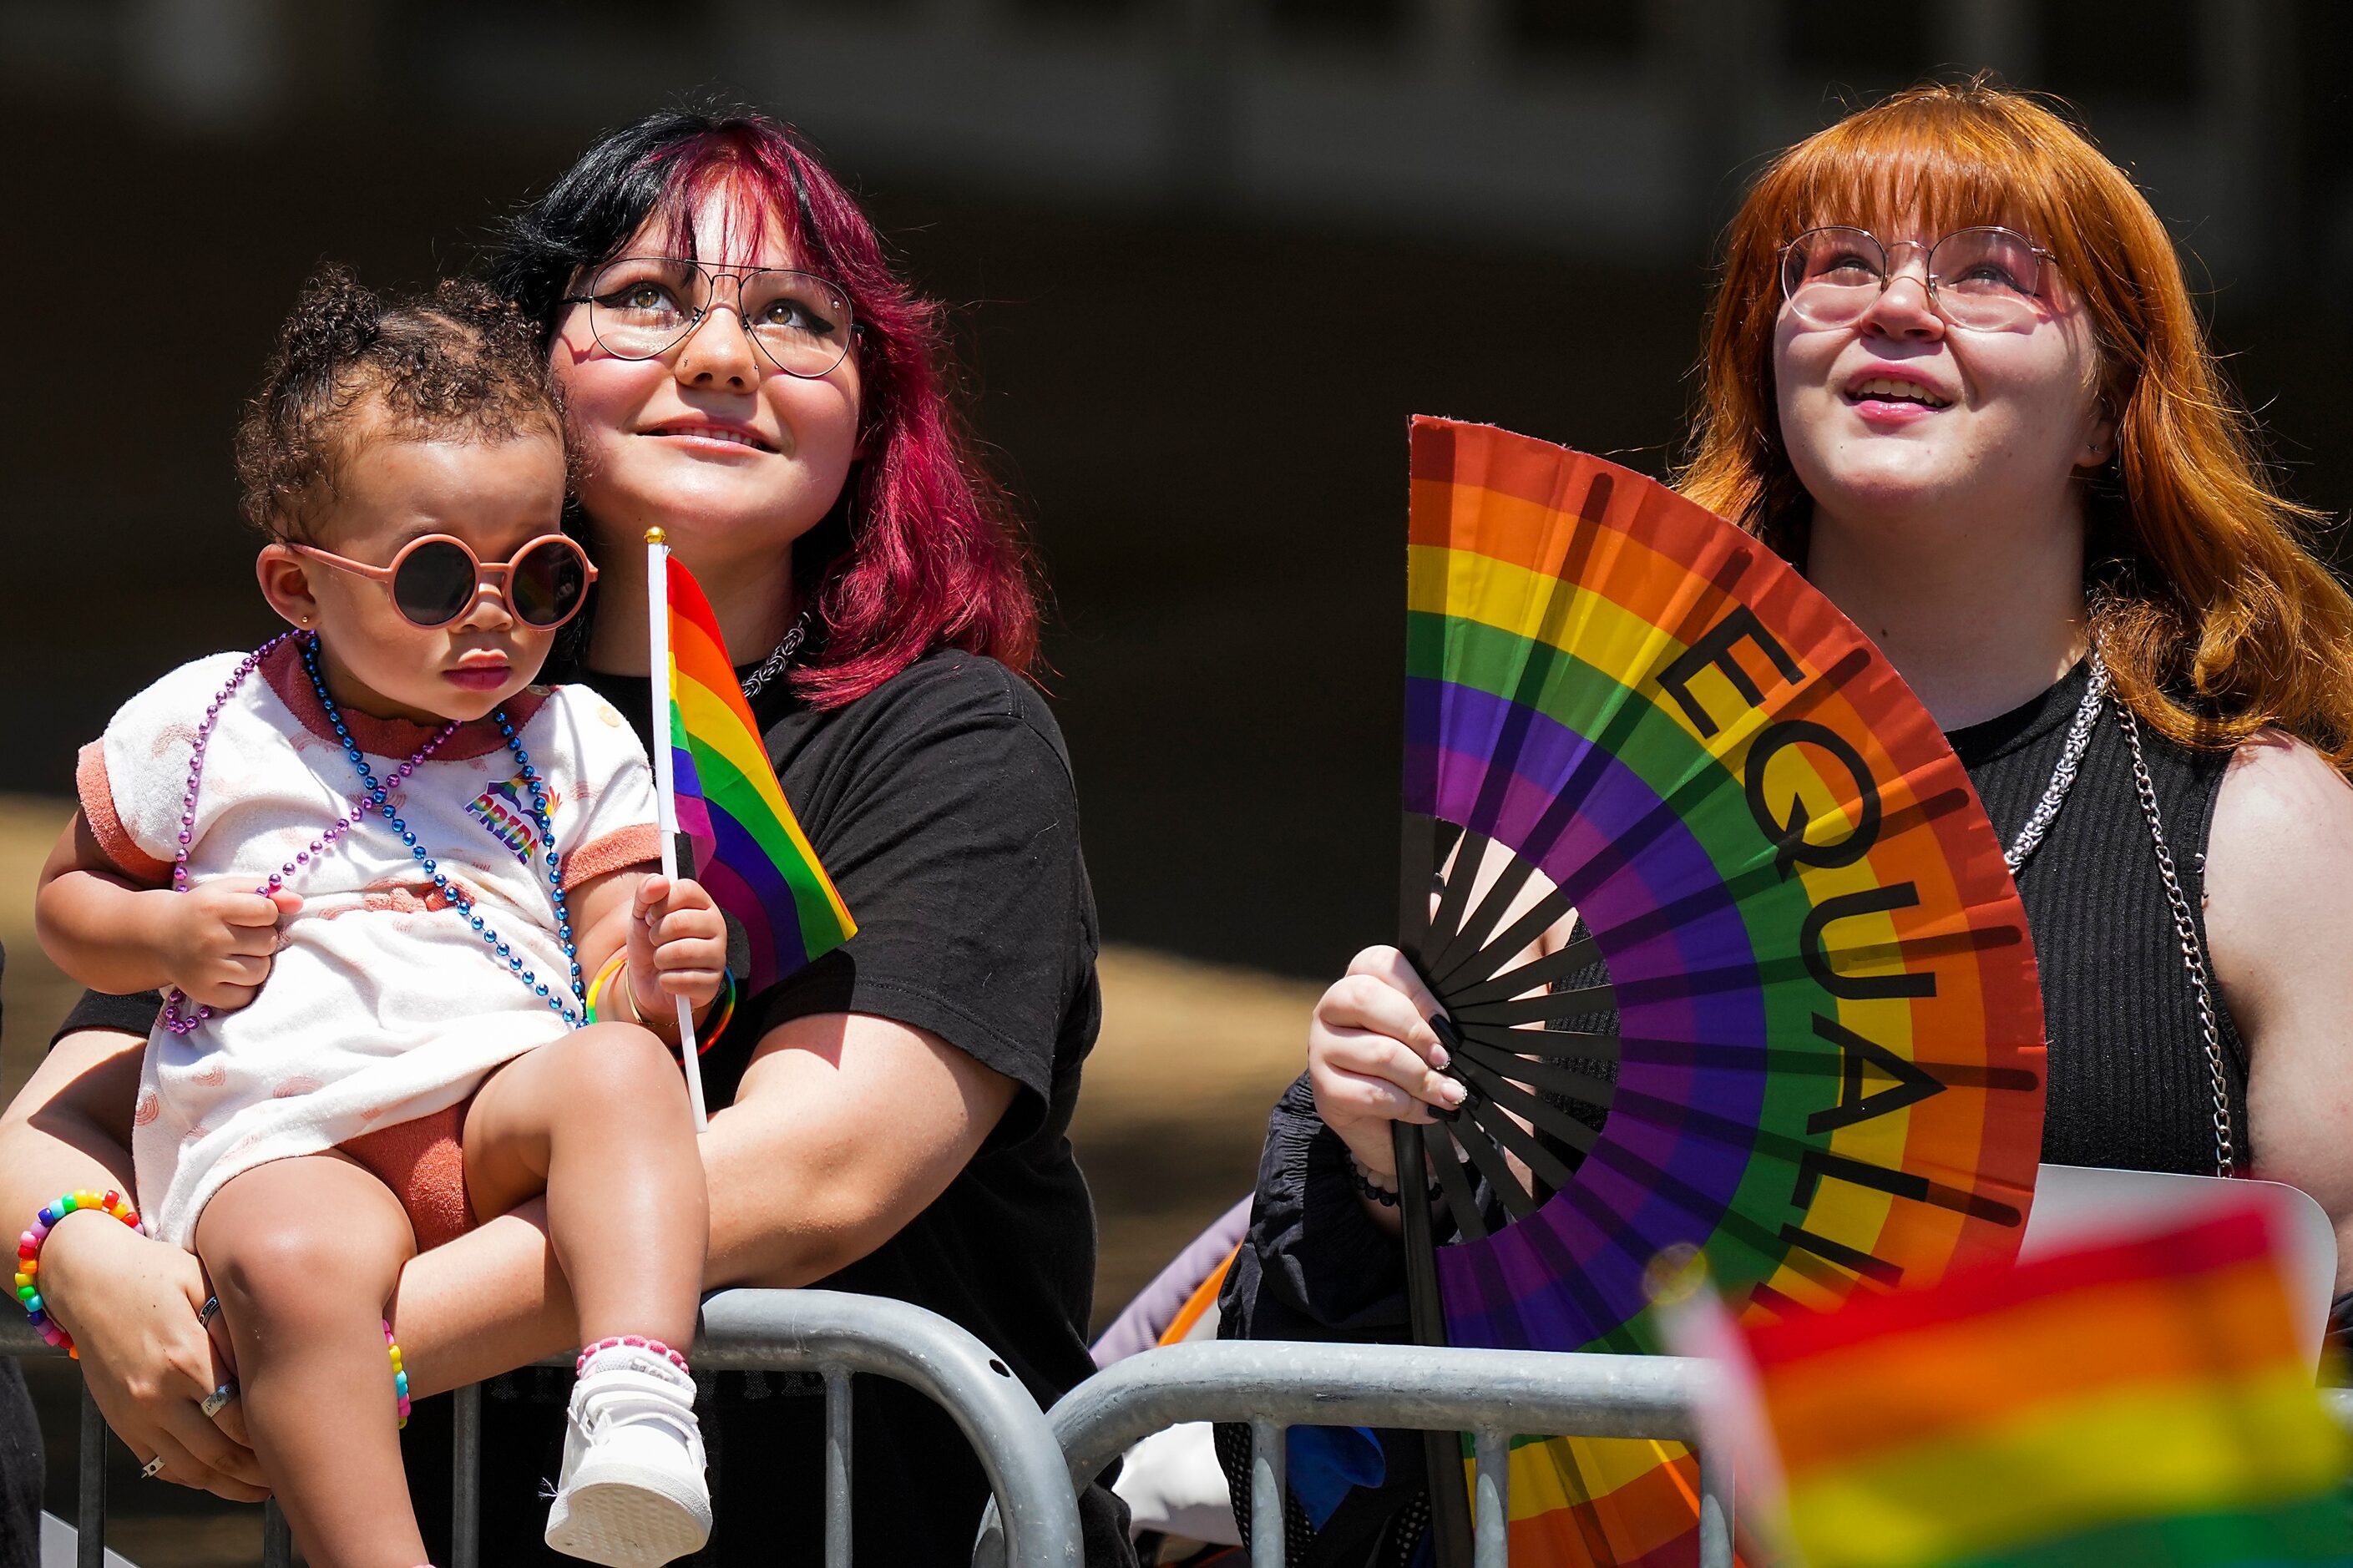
(942, 803)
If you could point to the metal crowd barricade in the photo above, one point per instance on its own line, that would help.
(1037, 1463)
(828, 1333)
(1495, 1395)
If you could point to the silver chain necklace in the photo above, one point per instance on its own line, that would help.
(2193, 952)
(2062, 778)
(779, 657)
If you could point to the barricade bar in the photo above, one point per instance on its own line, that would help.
(832, 1330)
(466, 1478)
(90, 1545)
(1414, 1386)
(1493, 1394)
(837, 1466)
(1269, 1459)
(276, 1537)
(1491, 1499)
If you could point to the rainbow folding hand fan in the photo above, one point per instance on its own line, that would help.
(1797, 1027)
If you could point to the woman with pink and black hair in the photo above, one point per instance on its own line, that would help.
(743, 368)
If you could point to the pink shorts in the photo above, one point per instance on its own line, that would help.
(425, 1165)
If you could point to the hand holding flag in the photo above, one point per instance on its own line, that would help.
(714, 781)
(677, 947)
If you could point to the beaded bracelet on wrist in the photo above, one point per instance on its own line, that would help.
(29, 1254)
(1372, 1192)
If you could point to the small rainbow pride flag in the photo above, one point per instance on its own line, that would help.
(749, 851)
(2138, 1402)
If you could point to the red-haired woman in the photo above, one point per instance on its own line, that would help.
(743, 369)
(1954, 374)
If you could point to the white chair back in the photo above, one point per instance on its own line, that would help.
(2076, 1203)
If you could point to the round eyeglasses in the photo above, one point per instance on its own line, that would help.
(642, 307)
(433, 580)
(1984, 279)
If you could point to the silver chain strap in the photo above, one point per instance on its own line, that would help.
(779, 657)
(2062, 778)
(2193, 952)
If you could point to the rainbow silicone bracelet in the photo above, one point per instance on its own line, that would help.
(399, 1375)
(723, 1013)
(613, 966)
(706, 1033)
(29, 1254)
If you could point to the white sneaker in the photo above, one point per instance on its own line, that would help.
(632, 1494)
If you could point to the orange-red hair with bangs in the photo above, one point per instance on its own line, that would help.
(2215, 619)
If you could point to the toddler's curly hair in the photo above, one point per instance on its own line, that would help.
(459, 362)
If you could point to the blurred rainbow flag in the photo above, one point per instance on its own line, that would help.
(2141, 1402)
(748, 851)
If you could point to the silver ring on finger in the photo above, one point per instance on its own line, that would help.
(148, 1470)
(218, 1399)
(208, 1311)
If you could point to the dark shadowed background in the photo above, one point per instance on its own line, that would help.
(1206, 257)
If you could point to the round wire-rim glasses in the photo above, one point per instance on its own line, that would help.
(1984, 277)
(433, 580)
(642, 307)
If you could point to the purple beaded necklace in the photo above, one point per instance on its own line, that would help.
(376, 795)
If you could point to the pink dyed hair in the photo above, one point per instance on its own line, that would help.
(922, 551)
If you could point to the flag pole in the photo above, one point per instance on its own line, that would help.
(666, 780)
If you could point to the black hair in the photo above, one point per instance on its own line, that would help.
(460, 359)
(922, 548)
(589, 214)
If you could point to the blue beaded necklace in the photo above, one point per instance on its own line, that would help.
(552, 995)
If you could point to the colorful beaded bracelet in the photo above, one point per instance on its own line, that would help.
(399, 1374)
(634, 1341)
(29, 1254)
(706, 1033)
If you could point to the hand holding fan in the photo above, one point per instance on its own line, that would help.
(1825, 1067)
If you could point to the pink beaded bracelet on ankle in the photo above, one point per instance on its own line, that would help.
(399, 1375)
(633, 1341)
(29, 1254)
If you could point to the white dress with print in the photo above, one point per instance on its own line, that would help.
(383, 1005)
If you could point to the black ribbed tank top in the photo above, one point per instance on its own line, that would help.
(2129, 1085)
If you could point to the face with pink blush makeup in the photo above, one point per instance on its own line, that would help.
(709, 441)
(496, 497)
(1899, 413)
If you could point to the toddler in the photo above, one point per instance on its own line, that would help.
(389, 885)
